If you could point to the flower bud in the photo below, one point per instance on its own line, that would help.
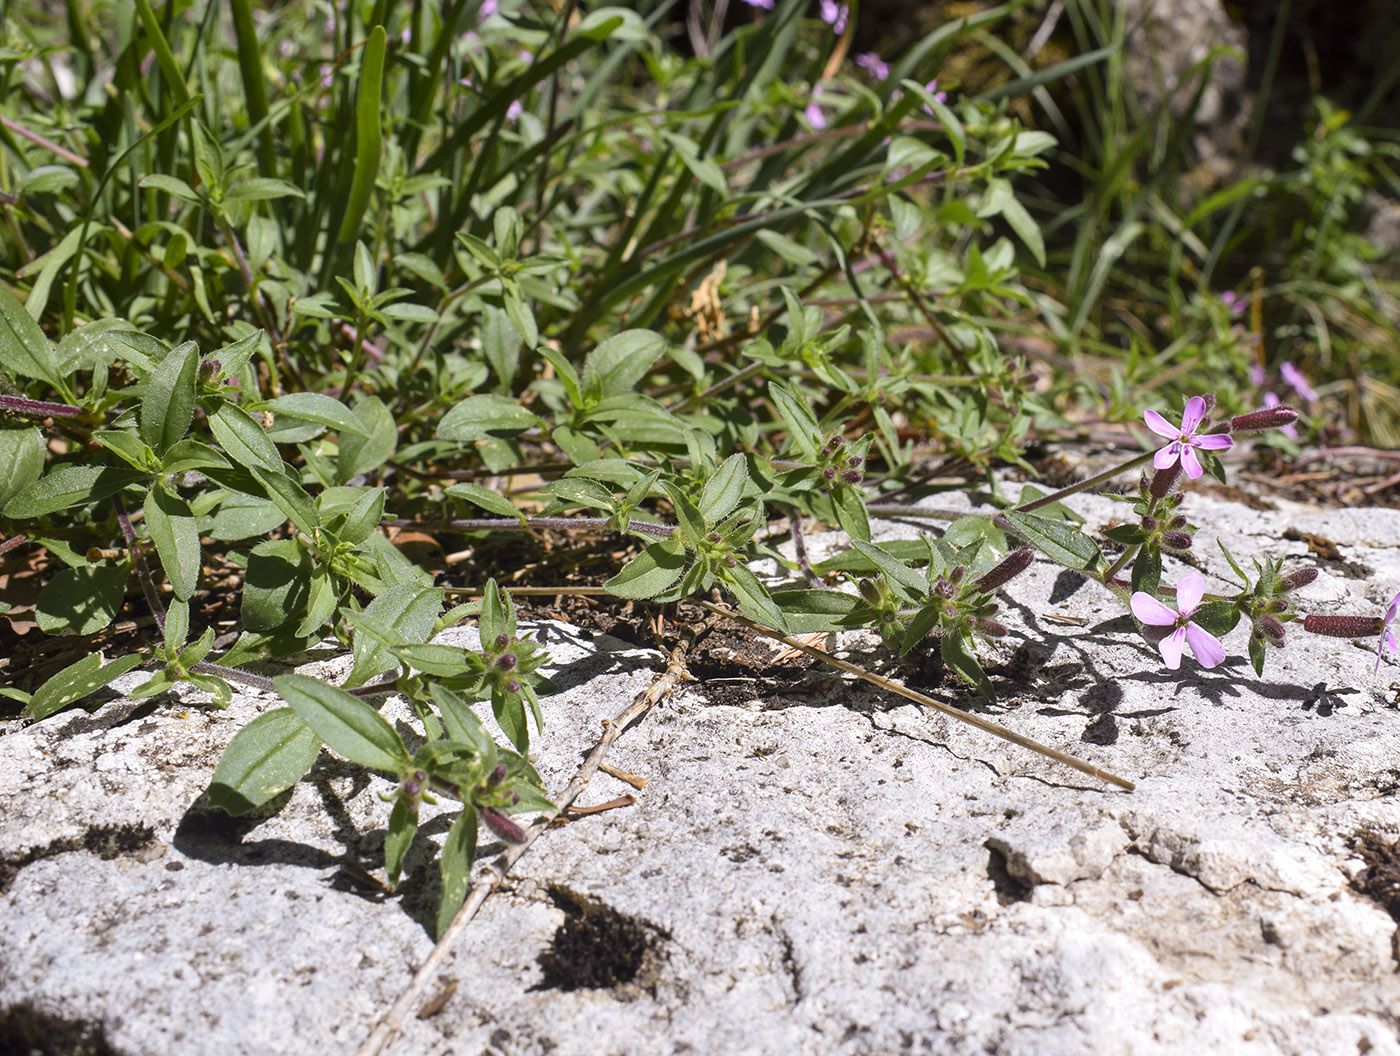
(512, 685)
(836, 441)
(1277, 417)
(1177, 522)
(829, 473)
(1176, 540)
(1270, 629)
(729, 561)
(1343, 626)
(497, 775)
(501, 642)
(869, 591)
(854, 460)
(714, 537)
(1299, 578)
(1164, 479)
(991, 628)
(851, 476)
(1209, 398)
(1011, 566)
(507, 661)
(502, 826)
(411, 788)
(944, 589)
(1148, 521)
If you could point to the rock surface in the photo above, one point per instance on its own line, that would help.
(817, 868)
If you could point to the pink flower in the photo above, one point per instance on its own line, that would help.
(1294, 377)
(1291, 431)
(938, 97)
(869, 60)
(1184, 441)
(766, 5)
(1387, 635)
(1190, 589)
(1234, 302)
(516, 108)
(486, 10)
(834, 15)
(813, 111)
(1256, 374)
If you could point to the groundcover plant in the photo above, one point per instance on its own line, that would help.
(282, 283)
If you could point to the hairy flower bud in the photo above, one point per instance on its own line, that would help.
(836, 441)
(1343, 626)
(512, 685)
(1270, 628)
(1278, 417)
(991, 628)
(869, 591)
(497, 775)
(1299, 578)
(1164, 479)
(507, 661)
(729, 561)
(714, 537)
(1210, 403)
(829, 473)
(1149, 522)
(851, 476)
(957, 573)
(501, 642)
(502, 826)
(1010, 566)
(1177, 522)
(944, 589)
(1176, 540)
(854, 460)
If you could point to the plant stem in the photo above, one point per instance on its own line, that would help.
(507, 524)
(1097, 478)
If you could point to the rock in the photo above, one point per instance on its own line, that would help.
(812, 867)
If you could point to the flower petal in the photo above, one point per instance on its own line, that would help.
(1165, 458)
(1205, 645)
(1170, 647)
(1190, 589)
(1393, 611)
(1387, 642)
(1150, 611)
(1215, 441)
(1191, 417)
(1160, 425)
(1190, 462)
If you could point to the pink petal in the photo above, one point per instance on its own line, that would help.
(1167, 456)
(1205, 645)
(1190, 589)
(1393, 611)
(1170, 647)
(1150, 611)
(1190, 462)
(1215, 441)
(1387, 642)
(1160, 426)
(1191, 417)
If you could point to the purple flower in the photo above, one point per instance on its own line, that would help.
(516, 108)
(1256, 374)
(1290, 431)
(834, 15)
(1190, 589)
(487, 9)
(938, 97)
(813, 111)
(1387, 635)
(1184, 441)
(766, 5)
(879, 69)
(1234, 302)
(1294, 377)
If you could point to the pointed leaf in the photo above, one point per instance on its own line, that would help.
(458, 853)
(172, 529)
(264, 759)
(75, 682)
(347, 725)
(168, 406)
(650, 572)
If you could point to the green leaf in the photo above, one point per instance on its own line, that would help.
(277, 584)
(264, 759)
(320, 408)
(959, 660)
(895, 570)
(82, 600)
(851, 514)
(1257, 655)
(458, 853)
(363, 517)
(403, 824)
(692, 526)
(369, 136)
(291, 498)
(347, 725)
(68, 486)
(724, 489)
(619, 363)
(172, 529)
(261, 189)
(650, 572)
(403, 614)
(75, 682)
(1060, 542)
(22, 454)
(433, 658)
(375, 445)
(242, 437)
(497, 616)
(491, 501)
(462, 723)
(486, 415)
(242, 516)
(816, 611)
(1147, 570)
(168, 406)
(500, 344)
(802, 428)
(1217, 617)
(24, 350)
(754, 600)
(187, 455)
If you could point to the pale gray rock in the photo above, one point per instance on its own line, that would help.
(815, 868)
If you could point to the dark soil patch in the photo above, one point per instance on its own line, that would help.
(29, 1031)
(598, 948)
(105, 841)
